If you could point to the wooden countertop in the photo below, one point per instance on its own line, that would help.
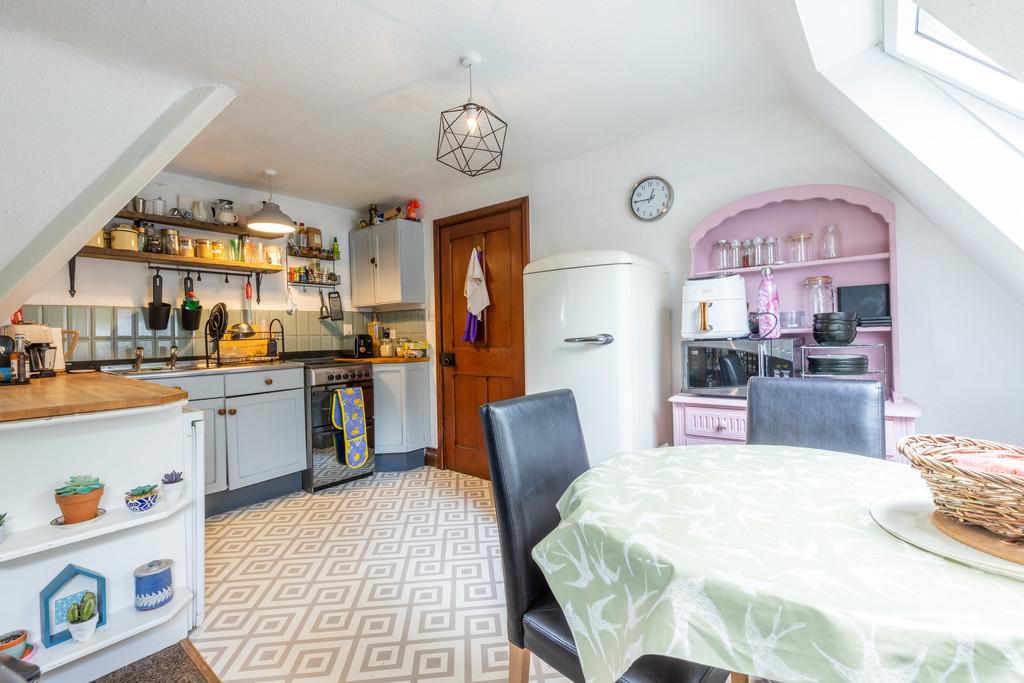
(85, 393)
(381, 361)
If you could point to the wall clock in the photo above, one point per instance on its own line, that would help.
(651, 198)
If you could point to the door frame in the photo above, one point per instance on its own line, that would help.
(521, 203)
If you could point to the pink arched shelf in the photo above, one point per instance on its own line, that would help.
(866, 222)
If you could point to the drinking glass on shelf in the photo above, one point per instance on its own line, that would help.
(831, 242)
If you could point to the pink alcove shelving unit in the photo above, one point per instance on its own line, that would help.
(868, 256)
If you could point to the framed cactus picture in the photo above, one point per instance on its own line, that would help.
(61, 601)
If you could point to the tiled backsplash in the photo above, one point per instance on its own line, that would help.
(113, 332)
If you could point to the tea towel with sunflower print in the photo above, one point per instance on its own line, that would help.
(349, 418)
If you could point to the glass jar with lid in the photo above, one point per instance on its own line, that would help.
(771, 250)
(747, 251)
(735, 254)
(757, 249)
(720, 255)
(801, 247)
(169, 241)
(831, 242)
(820, 295)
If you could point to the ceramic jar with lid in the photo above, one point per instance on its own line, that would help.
(124, 237)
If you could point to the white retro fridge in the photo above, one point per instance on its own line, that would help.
(597, 322)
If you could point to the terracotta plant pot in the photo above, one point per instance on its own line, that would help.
(80, 507)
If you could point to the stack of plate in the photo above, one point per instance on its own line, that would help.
(838, 364)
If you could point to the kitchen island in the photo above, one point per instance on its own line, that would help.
(127, 434)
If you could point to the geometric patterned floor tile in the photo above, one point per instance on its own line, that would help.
(395, 578)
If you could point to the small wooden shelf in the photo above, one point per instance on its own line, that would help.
(43, 538)
(180, 261)
(293, 254)
(207, 226)
(121, 624)
(801, 264)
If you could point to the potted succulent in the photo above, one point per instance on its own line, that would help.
(141, 498)
(3, 530)
(172, 485)
(79, 498)
(82, 618)
(13, 644)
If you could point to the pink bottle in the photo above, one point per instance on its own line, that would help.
(768, 306)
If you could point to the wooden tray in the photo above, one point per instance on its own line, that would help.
(979, 538)
(908, 517)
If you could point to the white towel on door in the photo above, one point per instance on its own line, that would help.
(477, 298)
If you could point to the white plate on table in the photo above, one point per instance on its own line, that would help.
(907, 516)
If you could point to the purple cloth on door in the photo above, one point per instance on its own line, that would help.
(472, 327)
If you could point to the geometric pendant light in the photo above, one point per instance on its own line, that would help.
(471, 137)
(271, 219)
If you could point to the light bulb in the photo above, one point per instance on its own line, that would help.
(472, 114)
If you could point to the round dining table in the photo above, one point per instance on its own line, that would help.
(765, 560)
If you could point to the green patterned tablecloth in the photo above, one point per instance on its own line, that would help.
(765, 560)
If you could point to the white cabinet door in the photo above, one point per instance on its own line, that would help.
(388, 273)
(215, 445)
(361, 264)
(388, 409)
(417, 405)
(266, 436)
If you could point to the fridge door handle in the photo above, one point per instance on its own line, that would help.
(602, 339)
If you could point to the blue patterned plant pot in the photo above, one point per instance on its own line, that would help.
(141, 503)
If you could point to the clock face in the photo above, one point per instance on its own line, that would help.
(651, 198)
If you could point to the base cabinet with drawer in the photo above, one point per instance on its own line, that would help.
(255, 424)
(401, 407)
(711, 420)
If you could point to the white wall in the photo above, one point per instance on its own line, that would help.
(946, 301)
(116, 283)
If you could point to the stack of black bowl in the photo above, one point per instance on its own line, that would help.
(835, 328)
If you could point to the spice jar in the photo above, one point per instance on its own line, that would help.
(820, 295)
(735, 254)
(747, 254)
(170, 242)
(758, 252)
(204, 248)
(720, 255)
(801, 247)
(771, 250)
(186, 246)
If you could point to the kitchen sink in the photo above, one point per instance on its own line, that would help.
(150, 368)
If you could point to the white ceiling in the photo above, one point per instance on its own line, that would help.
(343, 97)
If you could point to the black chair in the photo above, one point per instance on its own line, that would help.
(814, 412)
(16, 671)
(535, 448)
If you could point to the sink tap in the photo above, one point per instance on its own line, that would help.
(174, 357)
(139, 351)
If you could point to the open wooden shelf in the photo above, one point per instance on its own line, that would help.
(207, 226)
(181, 261)
(801, 264)
(121, 624)
(43, 538)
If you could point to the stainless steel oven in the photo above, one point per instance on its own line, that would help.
(323, 466)
(721, 367)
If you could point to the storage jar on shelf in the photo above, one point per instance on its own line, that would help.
(720, 256)
(820, 295)
(831, 242)
(801, 247)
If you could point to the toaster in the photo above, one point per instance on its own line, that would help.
(356, 346)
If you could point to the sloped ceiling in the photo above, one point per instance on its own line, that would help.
(342, 97)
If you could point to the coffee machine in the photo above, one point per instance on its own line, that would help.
(42, 337)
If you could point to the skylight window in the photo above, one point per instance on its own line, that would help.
(918, 38)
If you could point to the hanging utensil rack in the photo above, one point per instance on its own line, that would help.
(213, 345)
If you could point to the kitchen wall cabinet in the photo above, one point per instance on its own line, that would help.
(265, 436)
(216, 446)
(401, 406)
(386, 264)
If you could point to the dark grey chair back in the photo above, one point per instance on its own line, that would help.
(814, 412)
(535, 449)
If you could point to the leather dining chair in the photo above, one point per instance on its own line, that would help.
(814, 412)
(535, 449)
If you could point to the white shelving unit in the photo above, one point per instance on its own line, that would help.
(121, 625)
(42, 538)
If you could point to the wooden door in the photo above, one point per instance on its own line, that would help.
(492, 368)
(361, 262)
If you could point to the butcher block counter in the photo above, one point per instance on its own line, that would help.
(85, 393)
(382, 361)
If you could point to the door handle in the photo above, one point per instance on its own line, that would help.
(447, 360)
(602, 339)
(221, 411)
(232, 411)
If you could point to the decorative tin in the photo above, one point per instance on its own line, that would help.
(153, 585)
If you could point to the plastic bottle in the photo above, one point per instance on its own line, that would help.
(335, 249)
(768, 306)
(191, 303)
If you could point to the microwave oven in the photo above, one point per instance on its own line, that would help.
(721, 367)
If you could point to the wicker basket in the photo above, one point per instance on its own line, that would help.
(992, 501)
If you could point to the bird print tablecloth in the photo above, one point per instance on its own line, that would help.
(765, 560)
